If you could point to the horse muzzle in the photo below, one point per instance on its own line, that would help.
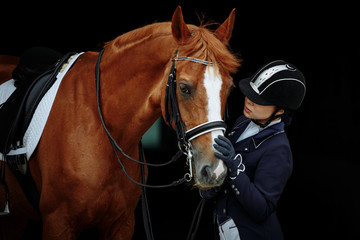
(209, 171)
(210, 175)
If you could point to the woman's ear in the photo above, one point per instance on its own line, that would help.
(280, 112)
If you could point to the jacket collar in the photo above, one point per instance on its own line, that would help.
(257, 139)
(268, 133)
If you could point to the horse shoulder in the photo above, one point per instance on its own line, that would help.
(73, 137)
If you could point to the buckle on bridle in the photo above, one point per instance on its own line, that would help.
(189, 158)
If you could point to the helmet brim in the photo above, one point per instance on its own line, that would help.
(247, 90)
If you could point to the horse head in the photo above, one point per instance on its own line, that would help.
(203, 81)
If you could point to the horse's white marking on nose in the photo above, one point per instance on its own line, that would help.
(219, 169)
(212, 84)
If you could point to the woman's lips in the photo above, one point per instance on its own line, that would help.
(247, 110)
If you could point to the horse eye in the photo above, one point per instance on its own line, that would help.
(184, 89)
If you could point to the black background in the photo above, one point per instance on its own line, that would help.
(321, 200)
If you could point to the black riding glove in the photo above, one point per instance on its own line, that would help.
(229, 156)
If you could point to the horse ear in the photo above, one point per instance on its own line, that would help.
(223, 33)
(179, 29)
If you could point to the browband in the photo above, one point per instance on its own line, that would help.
(191, 59)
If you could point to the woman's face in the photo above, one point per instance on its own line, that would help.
(260, 113)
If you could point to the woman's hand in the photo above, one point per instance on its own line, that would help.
(228, 155)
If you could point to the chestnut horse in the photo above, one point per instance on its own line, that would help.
(80, 181)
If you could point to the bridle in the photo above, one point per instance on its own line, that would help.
(172, 113)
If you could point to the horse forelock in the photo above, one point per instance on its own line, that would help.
(204, 45)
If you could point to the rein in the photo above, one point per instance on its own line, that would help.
(116, 147)
(184, 137)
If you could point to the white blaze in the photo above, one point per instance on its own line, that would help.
(212, 84)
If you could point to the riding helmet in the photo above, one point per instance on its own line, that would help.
(276, 83)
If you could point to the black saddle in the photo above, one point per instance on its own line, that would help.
(33, 62)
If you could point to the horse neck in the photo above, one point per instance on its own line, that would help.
(131, 86)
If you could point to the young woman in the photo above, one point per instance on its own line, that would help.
(258, 154)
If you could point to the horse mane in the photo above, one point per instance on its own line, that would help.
(138, 35)
(202, 45)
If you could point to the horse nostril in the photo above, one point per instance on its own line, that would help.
(208, 177)
(205, 172)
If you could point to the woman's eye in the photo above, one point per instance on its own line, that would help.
(184, 89)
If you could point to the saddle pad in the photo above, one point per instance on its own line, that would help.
(37, 124)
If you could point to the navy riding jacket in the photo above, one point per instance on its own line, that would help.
(251, 198)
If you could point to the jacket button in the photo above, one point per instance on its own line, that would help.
(246, 149)
(224, 211)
